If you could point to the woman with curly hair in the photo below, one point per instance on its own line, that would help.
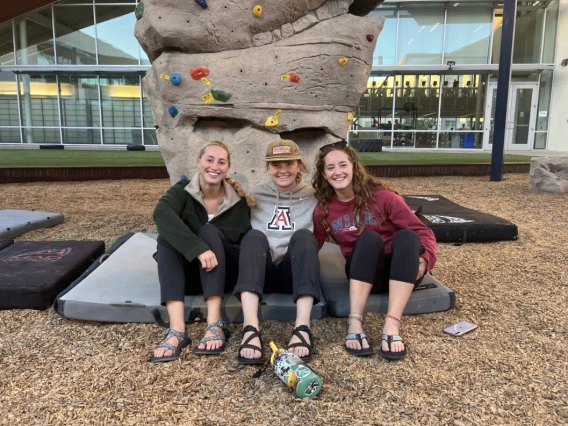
(200, 227)
(387, 248)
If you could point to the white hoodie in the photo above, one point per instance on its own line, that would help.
(279, 214)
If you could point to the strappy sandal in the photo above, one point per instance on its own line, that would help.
(247, 345)
(389, 338)
(359, 337)
(183, 341)
(216, 336)
(302, 343)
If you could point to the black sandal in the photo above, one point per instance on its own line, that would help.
(302, 343)
(359, 337)
(246, 345)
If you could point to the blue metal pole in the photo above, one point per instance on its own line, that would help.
(503, 81)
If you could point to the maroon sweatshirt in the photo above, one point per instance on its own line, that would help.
(392, 207)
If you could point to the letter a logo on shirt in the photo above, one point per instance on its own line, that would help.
(281, 220)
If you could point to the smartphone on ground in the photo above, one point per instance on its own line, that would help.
(460, 328)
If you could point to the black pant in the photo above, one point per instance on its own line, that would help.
(179, 277)
(367, 261)
(298, 274)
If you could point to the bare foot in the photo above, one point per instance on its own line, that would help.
(356, 327)
(251, 353)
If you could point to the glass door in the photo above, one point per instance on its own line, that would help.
(521, 116)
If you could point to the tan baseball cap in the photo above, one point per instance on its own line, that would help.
(282, 150)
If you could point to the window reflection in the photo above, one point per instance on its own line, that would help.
(468, 34)
(115, 35)
(385, 49)
(8, 101)
(544, 100)
(420, 35)
(148, 120)
(550, 32)
(75, 35)
(6, 44)
(39, 100)
(34, 38)
(79, 100)
(120, 95)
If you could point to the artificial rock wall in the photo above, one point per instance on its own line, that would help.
(248, 72)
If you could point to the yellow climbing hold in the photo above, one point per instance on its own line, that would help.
(342, 61)
(257, 11)
(349, 116)
(285, 77)
(165, 77)
(207, 82)
(207, 98)
(273, 119)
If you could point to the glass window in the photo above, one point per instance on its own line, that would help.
(120, 95)
(38, 96)
(462, 111)
(540, 140)
(420, 35)
(8, 135)
(550, 32)
(528, 35)
(75, 35)
(38, 135)
(417, 100)
(79, 100)
(6, 44)
(544, 100)
(34, 38)
(115, 35)
(122, 136)
(150, 137)
(8, 100)
(82, 136)
(385, 49)
(468, 34)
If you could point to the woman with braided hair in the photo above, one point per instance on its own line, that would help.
(387, 248)
(200, 228)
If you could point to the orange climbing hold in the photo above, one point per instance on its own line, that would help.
(198, 73)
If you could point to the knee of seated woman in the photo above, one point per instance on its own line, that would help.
(406, 235)
(371, 236)
(208, 230)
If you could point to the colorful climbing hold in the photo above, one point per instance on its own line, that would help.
(184, 177)
(221, 95)
(173, 111)
(207, 82)
(273, 119)
(175, 78)
(294, 78)
(139, 11)
(198, 73)
(207, 98)
(349, 116)
(202, 3)
(257, 11)
(370, 37)
(342, 61)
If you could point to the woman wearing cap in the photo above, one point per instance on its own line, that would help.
(200, 227)
(280, 253)
(387, 248)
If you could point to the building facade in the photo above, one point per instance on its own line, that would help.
(71, 73)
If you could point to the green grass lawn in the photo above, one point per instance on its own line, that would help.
(50, 158)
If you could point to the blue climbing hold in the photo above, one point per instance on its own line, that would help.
(202, 3)
(175, 78)
(184, 177)
(173, 111)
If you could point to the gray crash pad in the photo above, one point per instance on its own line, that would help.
(125, 288)
(14, 223)
(5, 243)
(430, 296)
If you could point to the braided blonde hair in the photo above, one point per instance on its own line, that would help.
(236, 185)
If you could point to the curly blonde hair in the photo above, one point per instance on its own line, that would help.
(363, 185)
(236, 185)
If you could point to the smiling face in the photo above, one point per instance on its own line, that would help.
(338, 171)
(213, 165)
(284, 174)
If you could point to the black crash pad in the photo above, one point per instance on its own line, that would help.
(453, 223)
(32, 273)
(5, 243)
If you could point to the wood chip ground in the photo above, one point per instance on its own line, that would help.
(513, 370)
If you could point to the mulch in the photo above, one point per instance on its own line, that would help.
(512, 370)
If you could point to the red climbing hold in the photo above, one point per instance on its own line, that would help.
(197, 73)
(294, 78)
(370, 37)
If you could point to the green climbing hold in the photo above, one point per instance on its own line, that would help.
(139, 11)
(221, 95)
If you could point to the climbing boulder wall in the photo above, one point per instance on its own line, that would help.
(249, 72)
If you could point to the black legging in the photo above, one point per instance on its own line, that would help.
(179, 277)
(367, 261)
